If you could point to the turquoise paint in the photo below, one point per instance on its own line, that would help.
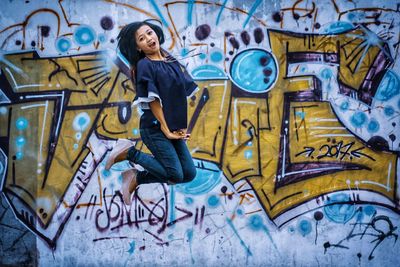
(220, 12)
(340, 212)
(216, 56)
(160, 15)
(358, 119)
(304, 227)
(369, 210)
(213, 201)
(373, 126)
(252, 10)
(84, 35)
(206, 179)
(389, 111)
(247, 249)
(338, 27)
(21, 123)
(208, 72)
(63, 44)
(248, 72)
(389, 87)
(172, 204)
(20, 141)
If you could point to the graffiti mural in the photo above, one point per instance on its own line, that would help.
(294, 133)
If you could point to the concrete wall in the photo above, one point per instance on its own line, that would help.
(295, 135)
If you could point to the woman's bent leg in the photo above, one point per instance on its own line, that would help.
(188, 168)
(164, 165)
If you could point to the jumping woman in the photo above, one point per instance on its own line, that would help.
(162, 87)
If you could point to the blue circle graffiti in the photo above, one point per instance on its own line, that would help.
(81, 121)
(254, 70)
(213, 201)
(84, 35)
(63, 44)
(216, 56)
(358, 119)
(20, 141)
(19, 155)
(21, 123)
(337, 210)
(255, 222)
(373, 126)
(304, 226)
(389, 111)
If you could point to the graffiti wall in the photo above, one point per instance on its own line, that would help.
(295, 135)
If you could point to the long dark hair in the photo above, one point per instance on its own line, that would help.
(127, 41)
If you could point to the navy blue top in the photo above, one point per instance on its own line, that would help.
(171, 84)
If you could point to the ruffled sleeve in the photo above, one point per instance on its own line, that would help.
(190, 86)
(146, 90)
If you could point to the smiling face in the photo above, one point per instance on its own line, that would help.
(147, 40)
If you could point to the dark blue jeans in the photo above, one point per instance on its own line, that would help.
(171, 160)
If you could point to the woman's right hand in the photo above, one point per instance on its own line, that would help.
(177, 135)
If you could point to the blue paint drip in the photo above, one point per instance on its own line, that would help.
(172, 204)
(248, 154)
(189, 234)
(326, 73)
(220, 12)
(131, 248)
(153, 3)
(252, 10)
(190, 11)
(238, 236)
(256, 223)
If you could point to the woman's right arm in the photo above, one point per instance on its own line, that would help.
(156, 108)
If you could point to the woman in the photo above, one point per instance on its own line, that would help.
(161, 91)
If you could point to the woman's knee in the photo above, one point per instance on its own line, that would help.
(189, 174)
(175, 175)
